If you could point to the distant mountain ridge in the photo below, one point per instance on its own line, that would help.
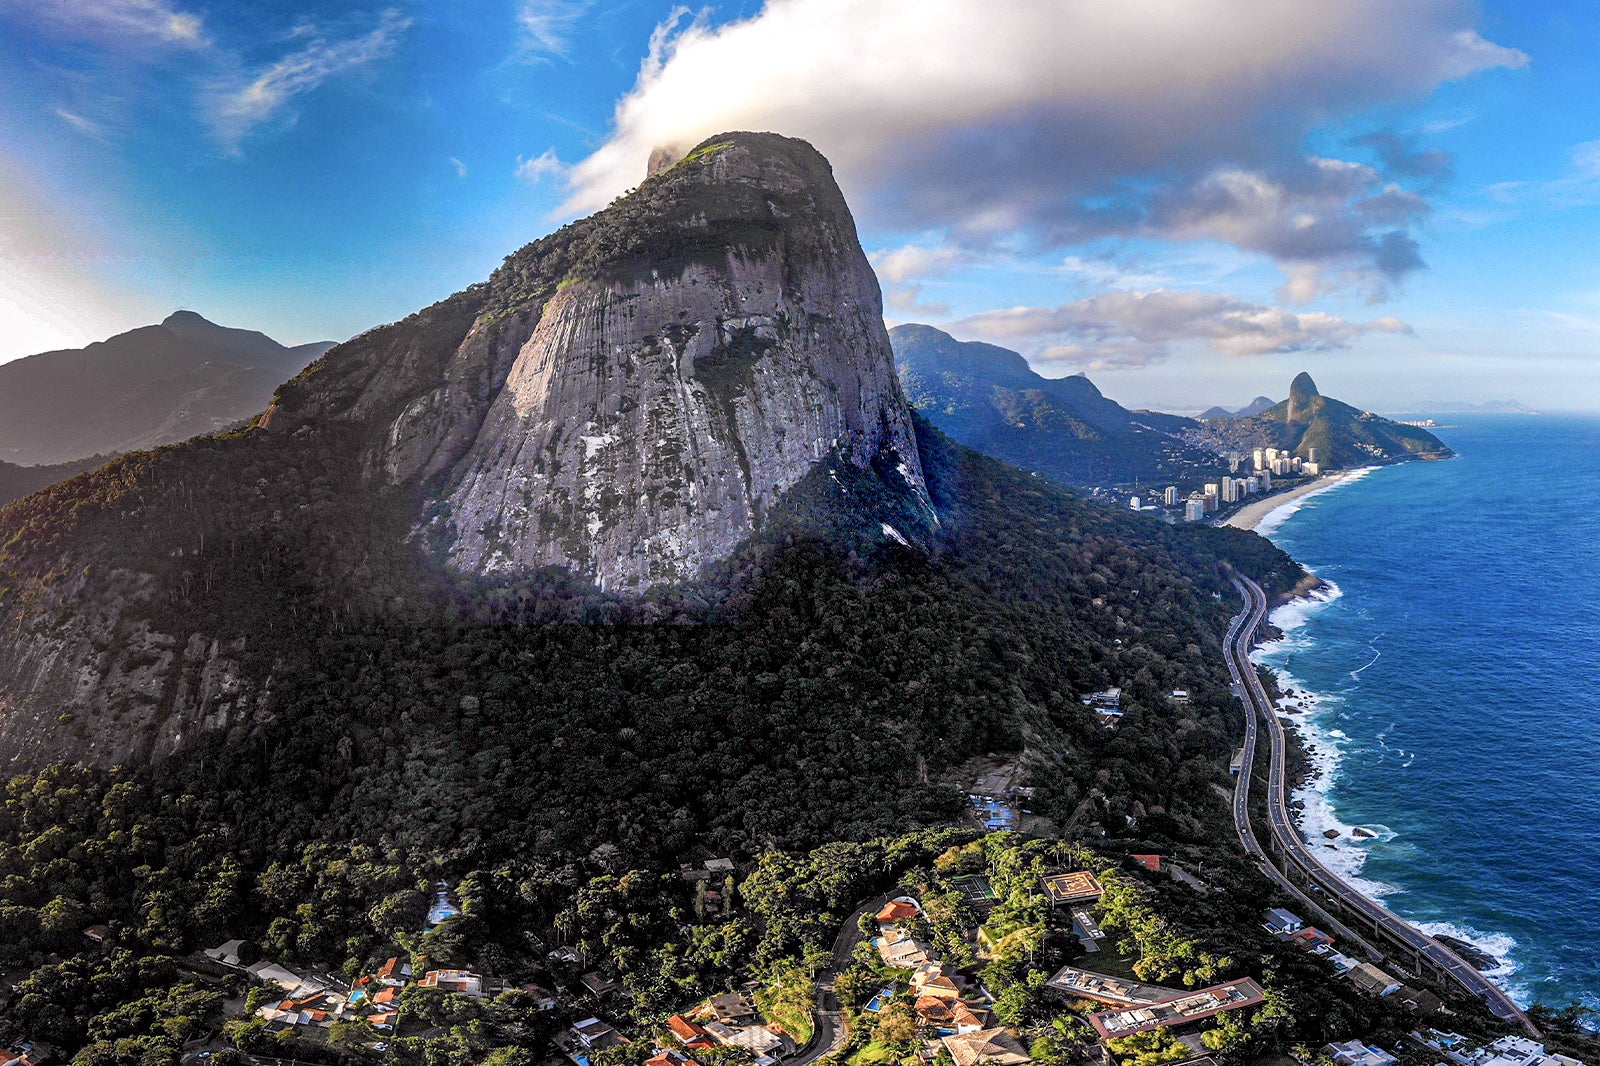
(1249, 410)
(989, 398)
(1340, 435)
(149, 386)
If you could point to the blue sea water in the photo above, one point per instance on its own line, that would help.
(1449, 681)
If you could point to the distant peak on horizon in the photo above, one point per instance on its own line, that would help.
(183, 316)
(1302, 387)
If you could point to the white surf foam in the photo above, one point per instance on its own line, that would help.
(1499, 946)
(1317, 724)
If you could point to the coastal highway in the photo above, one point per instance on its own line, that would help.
(1241, 631)
(1290, 844)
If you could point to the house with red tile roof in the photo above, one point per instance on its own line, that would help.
(394, 972)
(688, 1033)
(897, 910)
(941, 986)
(998, 1046)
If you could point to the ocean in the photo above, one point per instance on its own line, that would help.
(1449, 682)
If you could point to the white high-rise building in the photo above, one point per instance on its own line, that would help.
(1134, 503)
(1260, 459)
(1252, 485)
(1230, 490)
(1194, 509)
(1311, 455)
(1170, 497)
(1266, 481)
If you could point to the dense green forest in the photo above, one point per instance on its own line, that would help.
(168, 876)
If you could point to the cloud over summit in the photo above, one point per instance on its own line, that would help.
(1053, 123)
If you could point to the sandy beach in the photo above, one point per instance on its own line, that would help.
(1250, 515)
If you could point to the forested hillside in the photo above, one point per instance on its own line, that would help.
(17, 481)
(988, 398)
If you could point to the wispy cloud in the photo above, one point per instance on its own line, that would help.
(1128, 329)
(118, 22)
(1578, 186)
(544, 165)
(87, 127)
(237, 106)
(544, 27)
(461, 168)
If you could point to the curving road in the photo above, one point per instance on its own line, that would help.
(1290, 844)
(830, 1031)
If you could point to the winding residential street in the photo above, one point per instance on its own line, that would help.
(1289, 844)
(830, 1028)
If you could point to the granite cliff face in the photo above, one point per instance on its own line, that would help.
(649, 421)
(634, 396)
(627, 399)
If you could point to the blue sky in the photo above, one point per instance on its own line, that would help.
(1190, 200)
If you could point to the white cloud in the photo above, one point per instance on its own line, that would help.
(541, 166)
(461, 168)
(1326, 222)
(544, 27)
(905, 270)
(239, 105)
(1103, 272)
(1062, 122)
(118, 21)
(1123, 329)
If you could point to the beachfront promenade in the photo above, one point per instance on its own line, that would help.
(1299, 863)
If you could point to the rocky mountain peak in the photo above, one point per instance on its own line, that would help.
(1302, 390)
(630, 397)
